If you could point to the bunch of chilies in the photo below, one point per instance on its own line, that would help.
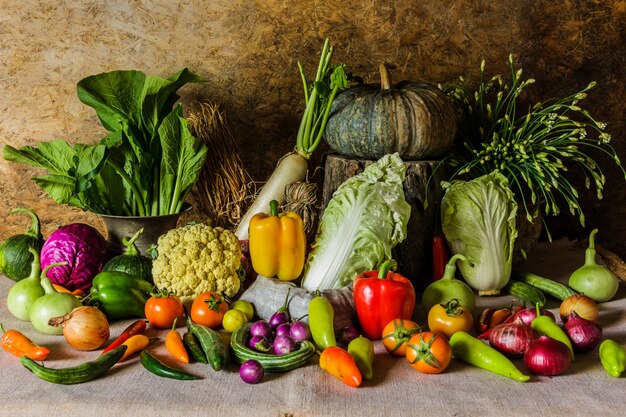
(384, 300)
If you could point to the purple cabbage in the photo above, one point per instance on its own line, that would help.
(82, 247)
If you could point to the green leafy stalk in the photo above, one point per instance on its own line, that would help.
(319, 95)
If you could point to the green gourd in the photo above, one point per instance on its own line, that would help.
(131, 261)
(595, 281)
(448, 288)
(52, 304)
(24, 293)
(15, 259)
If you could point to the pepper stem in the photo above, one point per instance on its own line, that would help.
(451, 266)
(590, 253)
(384, 268)
(273, 208)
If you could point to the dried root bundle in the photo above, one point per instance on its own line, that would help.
(222, 188)
(301, 198)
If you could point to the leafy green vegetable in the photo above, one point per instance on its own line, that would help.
(149, 157)
(478, 218)
(366, 217)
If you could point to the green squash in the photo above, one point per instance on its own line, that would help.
(15, 259)
(417, 120)
(131, 262)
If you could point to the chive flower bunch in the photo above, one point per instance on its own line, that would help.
(535, 149)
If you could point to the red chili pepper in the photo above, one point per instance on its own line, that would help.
(381, 296)
(441, 253)
(138, 327)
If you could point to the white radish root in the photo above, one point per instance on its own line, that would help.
(291, 168)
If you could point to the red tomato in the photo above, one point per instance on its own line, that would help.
(162, 311)
(208, 309)
(429, 352)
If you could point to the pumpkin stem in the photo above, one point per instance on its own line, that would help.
(385, 76)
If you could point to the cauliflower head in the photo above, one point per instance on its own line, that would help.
(197, 258)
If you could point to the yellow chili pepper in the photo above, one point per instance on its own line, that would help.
(135, 344)
(277, 244)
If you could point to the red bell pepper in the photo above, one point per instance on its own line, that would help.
(381, 296)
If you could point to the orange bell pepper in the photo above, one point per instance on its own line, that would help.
(340, 364)
(277, 244)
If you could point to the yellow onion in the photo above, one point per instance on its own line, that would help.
(583, 305)
(84, 328)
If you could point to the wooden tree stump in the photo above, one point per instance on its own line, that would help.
(415, 253)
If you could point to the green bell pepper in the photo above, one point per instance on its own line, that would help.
(120, 295)
(612, 357)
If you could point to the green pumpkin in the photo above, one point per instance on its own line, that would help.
(15, 258)
(416, 120)
(131, 262)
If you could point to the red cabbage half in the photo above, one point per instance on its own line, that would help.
(82, 247)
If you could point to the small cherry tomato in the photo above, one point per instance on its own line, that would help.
(234, 319)
(429, 352)
(161, 310)
(245, 306)
(208, 309)
(449, 318)
(396, 335)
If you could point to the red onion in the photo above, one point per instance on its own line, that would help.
(547, 356)
(529, 314)
(512, 339)
(584, 334)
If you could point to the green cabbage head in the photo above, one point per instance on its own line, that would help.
(478, 218)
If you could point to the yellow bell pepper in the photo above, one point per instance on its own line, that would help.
(277, 244)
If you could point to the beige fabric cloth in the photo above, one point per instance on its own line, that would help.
(397, 389)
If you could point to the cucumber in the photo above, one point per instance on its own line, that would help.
(271, 363)
(525, 292)
(548, 286)
(211, 343)
(79, 373)
(194, 349)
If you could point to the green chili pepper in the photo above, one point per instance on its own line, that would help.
(155, 366)
(473, 351)
(362, 350)
(194, 348)
(612, 357)
(321, 316)
(547, 327)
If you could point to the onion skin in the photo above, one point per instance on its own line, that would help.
(584, 334)
(584, 306)
(548, 357)
(512, 339)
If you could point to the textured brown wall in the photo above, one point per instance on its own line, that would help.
(247, 49)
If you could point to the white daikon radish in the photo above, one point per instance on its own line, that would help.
(293, 167)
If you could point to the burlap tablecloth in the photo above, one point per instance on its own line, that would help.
(397, 389)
